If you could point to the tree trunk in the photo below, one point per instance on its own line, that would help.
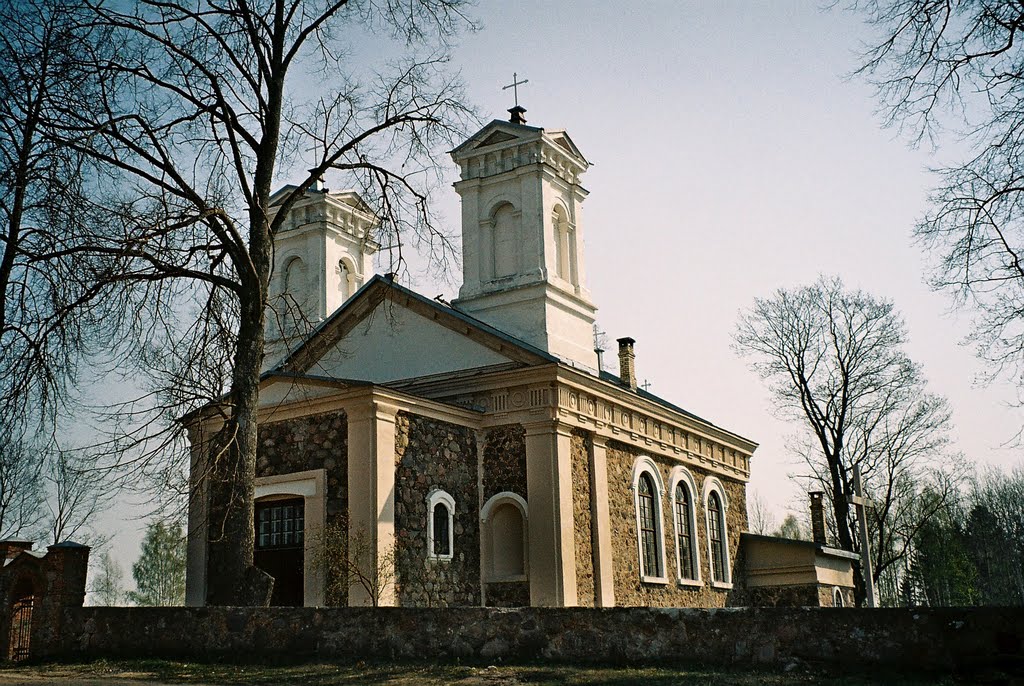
(232, 578)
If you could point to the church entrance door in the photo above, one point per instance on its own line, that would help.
(278, 551)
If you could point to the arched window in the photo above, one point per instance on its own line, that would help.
(294, 277)
(715, 526)
(648, 527)
(506, 237)
(440, 525)
(344, 280)
(565, 246)
(717, 504)
(837, 597)
(647, 489)
(684, 519)
(684, 532)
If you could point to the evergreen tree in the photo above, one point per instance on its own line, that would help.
(160, 571)
(942, 572)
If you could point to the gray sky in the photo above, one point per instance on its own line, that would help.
(732, 156)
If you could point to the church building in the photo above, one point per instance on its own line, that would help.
(475, 452)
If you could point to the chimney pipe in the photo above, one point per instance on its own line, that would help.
(818, 517)
(627, 363)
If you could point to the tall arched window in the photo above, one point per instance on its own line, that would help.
(717, 504)
(715, 525)
(565, 245)
(648, 528)
(345, 276)
(684, 519)
(506, 237)
(647, 489)
(440, 525)
(684, 532)
(294, 277)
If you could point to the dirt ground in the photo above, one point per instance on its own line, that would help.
(157, 673)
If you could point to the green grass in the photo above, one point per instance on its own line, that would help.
(426, 674)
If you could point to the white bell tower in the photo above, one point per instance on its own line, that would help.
(522, 238)
(322, 255)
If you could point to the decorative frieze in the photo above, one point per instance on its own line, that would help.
(617, 420)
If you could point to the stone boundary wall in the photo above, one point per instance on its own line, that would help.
(858, 639)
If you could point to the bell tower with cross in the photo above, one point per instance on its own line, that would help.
(522, 235)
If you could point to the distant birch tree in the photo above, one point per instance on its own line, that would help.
(159, 572)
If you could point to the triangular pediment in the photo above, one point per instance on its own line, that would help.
(497, 133)
(495, 138)
(562, 140)
(387, 333)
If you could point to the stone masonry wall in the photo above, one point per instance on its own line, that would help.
(934, 639)
(315, 442)
(504, 469)
(580, 453)
(434, 454)
(629, 590)
(505, 461)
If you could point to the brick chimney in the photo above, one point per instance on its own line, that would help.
(627, 363)
(818, 517)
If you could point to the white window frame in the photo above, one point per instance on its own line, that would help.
(682, 474)
(713, 485)
(645, 465)
(435, 497)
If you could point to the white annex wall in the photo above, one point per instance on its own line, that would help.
(394, 343)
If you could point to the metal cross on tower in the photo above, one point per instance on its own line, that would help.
(515, 86)
(861, 504)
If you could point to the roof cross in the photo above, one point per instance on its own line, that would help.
(515, 86)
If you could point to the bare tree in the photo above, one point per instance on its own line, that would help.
(203, 104)
(834, 361)
(21, 493)
(760, 518)
(76, 494)
(45, 201)
(959, 66)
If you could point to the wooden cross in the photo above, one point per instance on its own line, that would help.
(515, 86)
(861, 504)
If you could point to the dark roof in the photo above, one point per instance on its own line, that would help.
(611, 378)
(819, 547)
(389, 282)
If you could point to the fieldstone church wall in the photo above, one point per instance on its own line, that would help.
(433, 454)
(317, 441)
(629, 590)
(582, 517)
(505, 461)
(933, 639)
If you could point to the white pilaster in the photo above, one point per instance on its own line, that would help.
(371, 499)
(552, 534)
(604, 585)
